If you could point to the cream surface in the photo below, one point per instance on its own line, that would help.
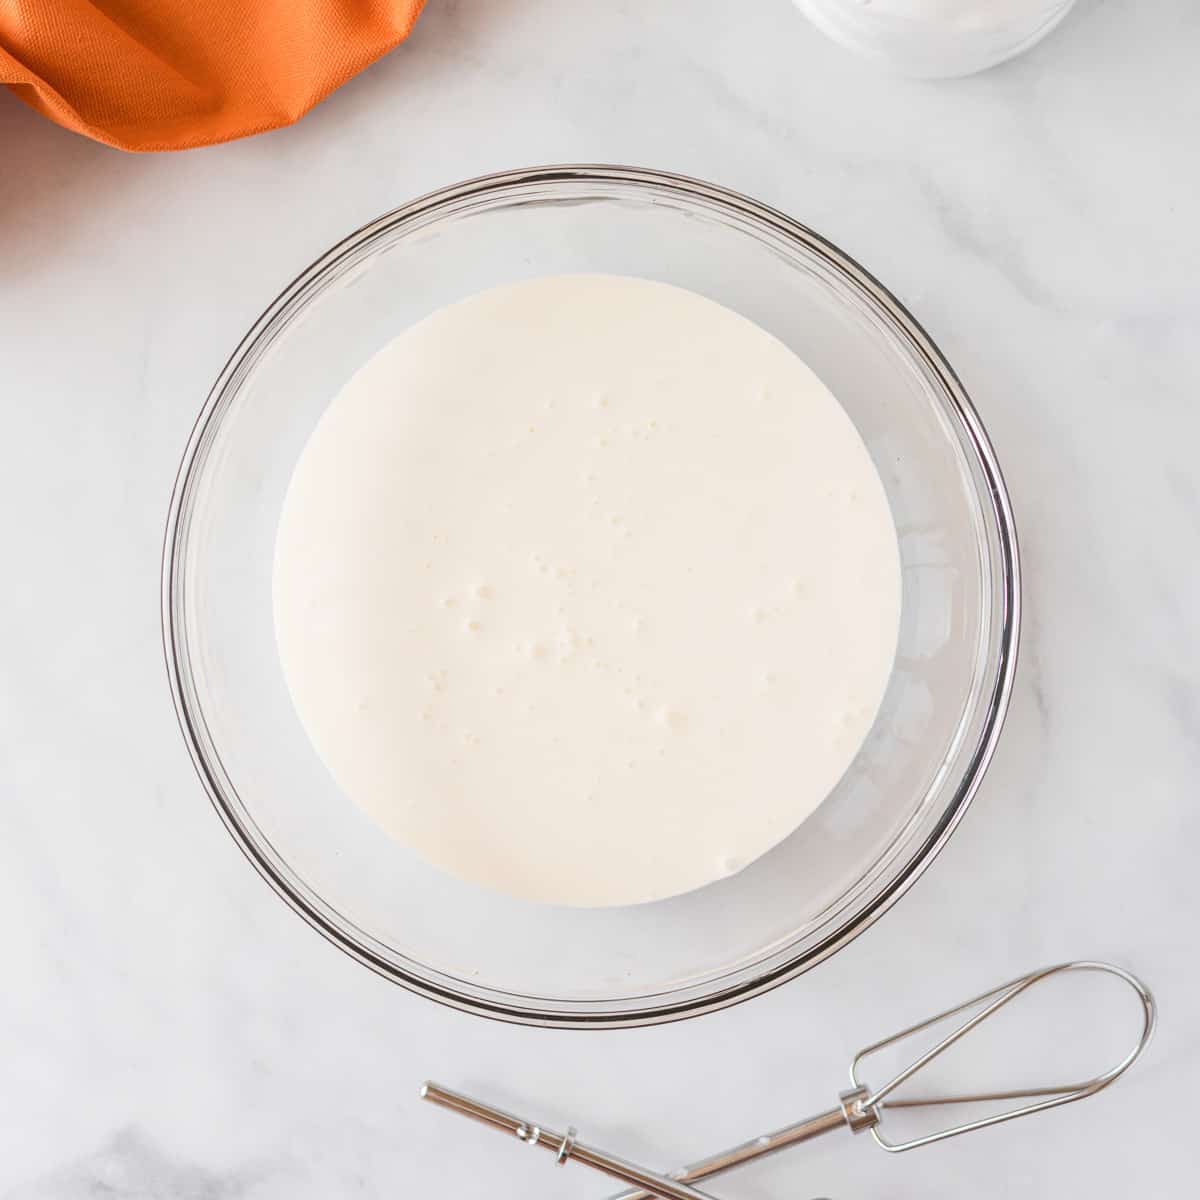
(587, 589)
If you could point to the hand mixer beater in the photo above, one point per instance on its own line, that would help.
(859, 1109)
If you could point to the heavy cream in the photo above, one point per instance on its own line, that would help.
(587, 589)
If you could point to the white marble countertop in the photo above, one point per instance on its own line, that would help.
(169, 1029)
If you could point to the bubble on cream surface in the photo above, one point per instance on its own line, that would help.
(586, 589)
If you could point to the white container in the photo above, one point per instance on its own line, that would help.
(934, 39)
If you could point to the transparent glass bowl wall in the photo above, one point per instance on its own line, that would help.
(558, 966)
(937, 42)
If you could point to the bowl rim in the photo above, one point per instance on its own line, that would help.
(998, 507)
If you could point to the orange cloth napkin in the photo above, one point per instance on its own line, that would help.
(169, 74)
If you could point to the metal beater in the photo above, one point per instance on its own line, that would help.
(859, 1109)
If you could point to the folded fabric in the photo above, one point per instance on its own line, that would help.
(169, 74)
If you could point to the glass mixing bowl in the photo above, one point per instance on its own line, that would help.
(847, 863)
